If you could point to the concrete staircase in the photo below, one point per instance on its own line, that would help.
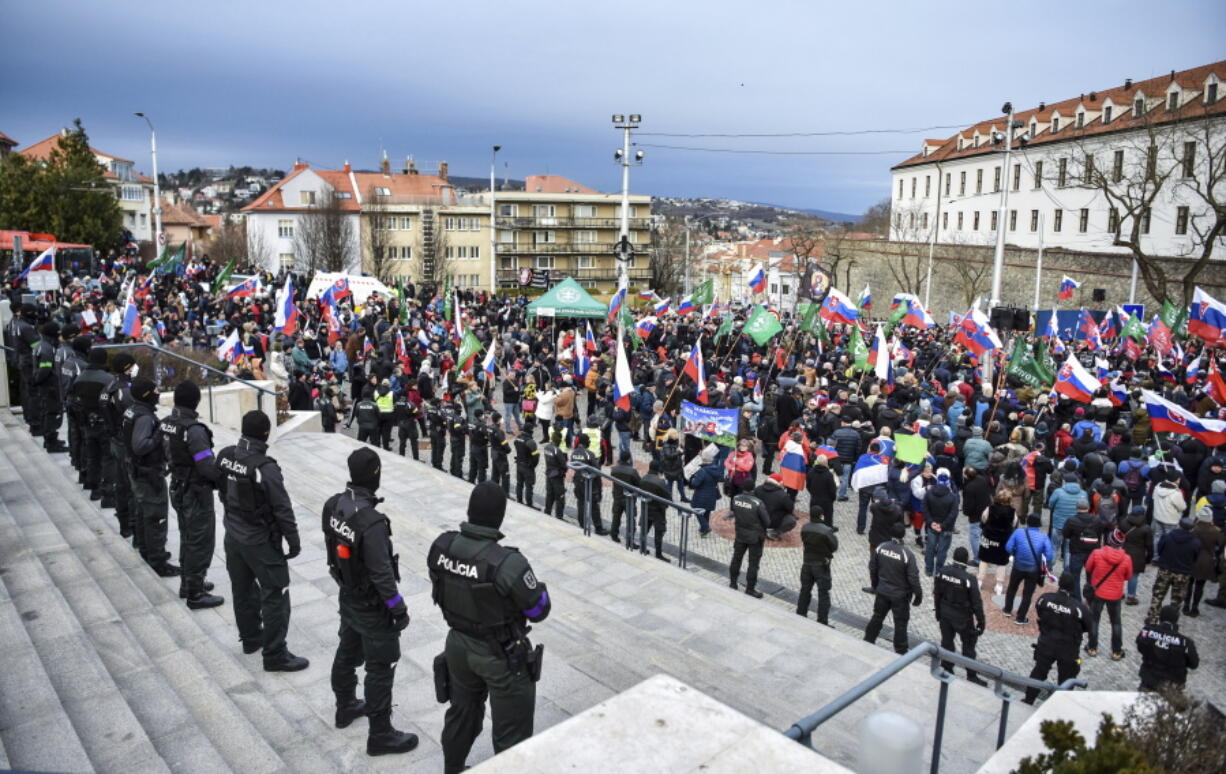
(104, 669)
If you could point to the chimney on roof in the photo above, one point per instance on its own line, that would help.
(442, 170)
(347, 168)
(410, 167)
(300, 165)
(1172, 75)
(385, 166)
(1042, 106)
(1094, 96)
(1127, 83)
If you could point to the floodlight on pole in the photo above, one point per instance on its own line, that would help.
(157, 190)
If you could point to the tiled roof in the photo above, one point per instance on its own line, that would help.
(1122, 97)
(399, 187)
(554, 184)
(41, 150)
(182, 215)
(6, 140)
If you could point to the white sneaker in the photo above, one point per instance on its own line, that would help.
(1000, 589)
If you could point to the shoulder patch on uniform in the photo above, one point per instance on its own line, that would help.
(529, 579)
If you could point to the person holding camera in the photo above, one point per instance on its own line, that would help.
(358, 542)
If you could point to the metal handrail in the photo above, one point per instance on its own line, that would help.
(802, 730)
(633, 494)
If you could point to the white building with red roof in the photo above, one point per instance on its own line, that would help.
(1080, 171)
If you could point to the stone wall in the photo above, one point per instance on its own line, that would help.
(960, 271)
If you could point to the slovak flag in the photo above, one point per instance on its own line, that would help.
(645, 326)
(245, 288)
(695, 369)
(285, 319)
(231, 348)
(1207, 317)
(423, 338)
(917, 316)
(339, 290)
(883, 366)
(838, 308)
(367, 347)
(1101, 368)
(1165, 372)
(583, 363)
(1050, 332)
(1215, 387)
(331, 318)
(622, 384)
(866, 299)
(615, 303)
(1116, 393)
(1067, 286)
(976, 334)
(589, 341)
(143, 289)
(661, 308)
(487, 365)
(757, 280)
(1075, 382)
(44, 262)
(647, 295)
(131, 319)
(1193, 372)
(1109, 328)
(402, 350)
(1166, 417)
(1086, 324)
(686, 306)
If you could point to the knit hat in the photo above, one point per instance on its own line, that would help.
(1034, 520)
(976, 432)
(1116, 538)
(1083, 504)
(122, 362)
(364, 468)
(82, 345)
(1079, 412)
(144, 390)
(51, 329)
(256, 425)
(1068, 581)
(1187, 523)
(943, 476)
(97, 359)
(187, 395)
(1169, 613)
(897, 531)
(961, 555)
(1218, 487)
(1205, 513)
(487, 505)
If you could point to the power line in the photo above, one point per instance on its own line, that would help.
(910, 152)
(846, 133)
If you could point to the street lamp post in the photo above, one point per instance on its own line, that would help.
(998, 259)
(622, 156)
(157, 189)
(493, 231)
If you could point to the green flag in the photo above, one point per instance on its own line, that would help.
(469, 346)
(806, 312)
(725, 326)
(174, 261)
(223, 276)
(1175, 318)
(895, 318)
(822, 334)
(858, 349)
(1024, 366)
(161, 259)
(626, 319)
(1047, 366)
(704, 293)
(762, 325)
(1135, 329)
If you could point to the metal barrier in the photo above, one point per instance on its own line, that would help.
(164, 375)
(634, 511)
(802, 730)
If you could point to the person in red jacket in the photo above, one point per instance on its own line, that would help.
(1108, 569)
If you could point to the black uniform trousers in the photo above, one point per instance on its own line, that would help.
(151, 509)
(366, 637)
(457, 456)
(555, 495)
(525, 482)
(48, 399)
(1067, 661)
(31, 409)
(478, 463)
(259, 582)
(477, 672)
(965, 631)
(621, 507)
(368, 434)
(193, 504)
(755, 558)
(657, 521)
(408, 434)
(500, 473)
(74, 441)
(815, 574)
(901, 611)
(385, 431)
(93, 441)
(119, 486)
(438, 445)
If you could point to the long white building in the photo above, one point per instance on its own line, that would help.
(1133, 156)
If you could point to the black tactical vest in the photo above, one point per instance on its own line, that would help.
(86, 394)
(239, 485)
(174, 437)
(464, 589)
(346, 518)
(154, 458)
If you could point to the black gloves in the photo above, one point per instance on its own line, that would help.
(918, 600)
(400, 620)
(979, 628)
(295, 548)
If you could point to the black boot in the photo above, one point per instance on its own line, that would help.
(385, 740)
(184, 588)
(202, 599)
(166, 570)
(348, 708)
(751, 591)
(286, 663)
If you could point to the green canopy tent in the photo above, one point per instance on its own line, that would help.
(567, 299)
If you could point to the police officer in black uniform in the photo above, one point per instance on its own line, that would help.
(85, 401)
(193, 476)
(367, 414)
(327, 409)
(527, 456)
(959, 609)
(819, 543)
(623, 471)
(487, 593)
(116, 399)
(1166, 655)
(752, 520)
(358, 541)
(436, 421)
(479, 451)
(258, 517)
(894, 575)
(1063, 620)
(404, 414)
(24, 339)
(500, 451)
(457, 427)
(142, 439)
(588, 487)
(70, 360)
(555, 475)
(47, 388)
(654, 511)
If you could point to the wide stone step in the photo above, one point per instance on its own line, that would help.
(256, 727)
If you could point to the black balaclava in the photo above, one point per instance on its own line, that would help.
(365, 468)
(256, 425)
(144, 390)
(187, 395)
(487, 505)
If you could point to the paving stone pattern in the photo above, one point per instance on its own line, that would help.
(85, 626)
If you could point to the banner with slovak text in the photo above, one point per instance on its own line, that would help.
(709, 424)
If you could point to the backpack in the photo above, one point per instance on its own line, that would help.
(1134, 480)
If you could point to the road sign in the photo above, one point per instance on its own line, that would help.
(162, 238)
(1135, 310)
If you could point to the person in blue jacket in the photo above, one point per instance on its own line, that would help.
(705, 484)
(1063, 505)
(1032, 556)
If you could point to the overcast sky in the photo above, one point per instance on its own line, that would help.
(262, 83)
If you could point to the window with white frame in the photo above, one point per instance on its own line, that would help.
(585, 237)
(381, 191)
(306, 197)
(585, 262)
(585, 210)
(508, 210)
(285, 229)
(506, 236)
(286, 260)
(544, 237)
(544, 210)
(543, 262)
(405, 253)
